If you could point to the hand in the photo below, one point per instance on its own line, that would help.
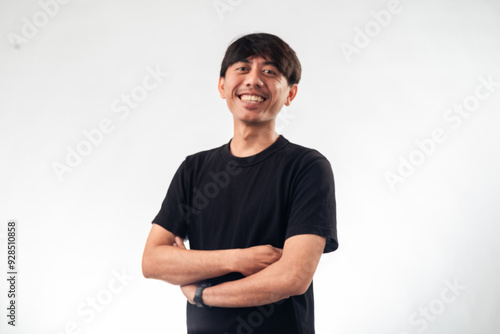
(188, 291)
(256, 258)
(179, 243)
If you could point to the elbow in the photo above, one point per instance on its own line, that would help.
(147, 271)
(151, 269)
(298, 283)
(298, 288)
(149, 265)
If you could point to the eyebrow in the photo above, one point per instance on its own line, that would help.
(271, 63)
(267, 62)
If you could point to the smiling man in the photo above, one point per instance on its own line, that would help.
(258, 211)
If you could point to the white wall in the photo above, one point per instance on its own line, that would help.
(363, 102)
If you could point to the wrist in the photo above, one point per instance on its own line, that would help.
(235, 260)
(208, 299)
(198, 298)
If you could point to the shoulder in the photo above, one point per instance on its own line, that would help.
(200, 159)
(306, 166)
(304, 156)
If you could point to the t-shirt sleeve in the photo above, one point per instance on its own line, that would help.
(313, 207)
(172, 214)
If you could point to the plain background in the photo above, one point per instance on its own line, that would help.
(364, 112)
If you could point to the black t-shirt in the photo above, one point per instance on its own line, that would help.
(219, 201)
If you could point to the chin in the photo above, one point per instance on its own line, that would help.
(250, 120)
(249, 116)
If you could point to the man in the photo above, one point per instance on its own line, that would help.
(258, 211)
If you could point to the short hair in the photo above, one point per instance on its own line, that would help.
(269, 47)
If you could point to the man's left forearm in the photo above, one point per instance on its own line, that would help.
(267, 286)
(289, 276)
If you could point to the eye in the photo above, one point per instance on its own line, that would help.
(241, 68)
(268, 71)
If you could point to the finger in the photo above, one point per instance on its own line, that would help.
(179, 243)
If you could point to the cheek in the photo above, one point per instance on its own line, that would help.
(280, 96)
(231, 84)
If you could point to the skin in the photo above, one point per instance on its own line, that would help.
(289, 276)
(271, 274)
(254, 123)
(166, 258)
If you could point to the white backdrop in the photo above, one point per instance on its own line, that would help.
(100, 101)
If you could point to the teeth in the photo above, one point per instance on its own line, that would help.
(252, 98)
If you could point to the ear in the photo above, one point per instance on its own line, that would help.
(292, 91)
(222, 81)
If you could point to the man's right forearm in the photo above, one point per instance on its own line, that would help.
(166, 258)
(180, 266)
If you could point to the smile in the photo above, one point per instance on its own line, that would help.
(252, 98)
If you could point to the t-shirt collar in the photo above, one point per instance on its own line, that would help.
(256, 158)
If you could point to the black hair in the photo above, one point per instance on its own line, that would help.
(269, 47)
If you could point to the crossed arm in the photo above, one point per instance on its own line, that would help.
(271, 274)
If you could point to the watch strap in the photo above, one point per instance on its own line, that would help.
(198, 295)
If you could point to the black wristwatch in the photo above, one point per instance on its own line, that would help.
(198, 300)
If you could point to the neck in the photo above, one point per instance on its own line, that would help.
(250, 139)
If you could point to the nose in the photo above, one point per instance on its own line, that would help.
(253, 78)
